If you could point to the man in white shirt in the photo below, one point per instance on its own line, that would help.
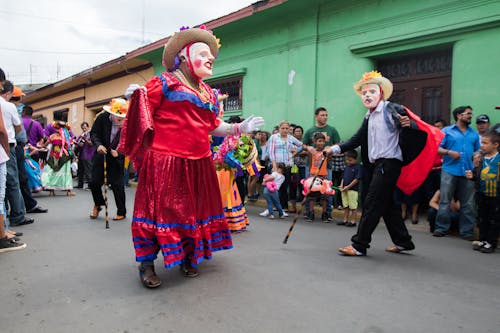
(382, 156)
(6, 243)
(13, 192)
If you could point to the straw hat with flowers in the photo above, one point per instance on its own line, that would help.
(184, 37)
(117, 107)
(374, 77)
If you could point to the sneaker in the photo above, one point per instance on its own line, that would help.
(487, 248)
(324, 218)
(265, 213)
(310, 217)
(253, 197)
(438, 234)
(7, 245)
(271, 217)
(282, 217)
(285, 214)
(477, 245)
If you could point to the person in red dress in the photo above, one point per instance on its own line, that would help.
(178, 207)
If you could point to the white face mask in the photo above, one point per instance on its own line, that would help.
(370, 95)
(200, 58)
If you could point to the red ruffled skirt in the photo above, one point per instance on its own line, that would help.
(178, 210)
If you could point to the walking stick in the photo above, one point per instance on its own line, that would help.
(299, 211)
(106, 192)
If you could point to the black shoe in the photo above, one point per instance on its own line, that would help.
(324, 218)
(310, 217)
(438, 234)
(7, 245)
(487, 248)
(341, 222)
(37, 209)
(26, 221)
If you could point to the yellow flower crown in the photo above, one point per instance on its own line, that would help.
(117, 107)
(370, 75)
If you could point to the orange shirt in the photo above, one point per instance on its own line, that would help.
(315, 159)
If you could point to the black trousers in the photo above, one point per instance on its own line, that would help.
(84, 171)
(379, 202)
(283, 191)
(114, 178)
(489, 219)
(337, 179)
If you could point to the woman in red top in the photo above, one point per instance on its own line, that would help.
(178, 207)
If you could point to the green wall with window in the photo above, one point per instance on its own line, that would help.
(300, 55)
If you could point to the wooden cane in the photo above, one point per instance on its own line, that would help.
(299, 211)
(106, 192)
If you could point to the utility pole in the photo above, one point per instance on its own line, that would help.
(31, 75)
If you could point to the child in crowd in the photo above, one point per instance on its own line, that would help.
(349, 187)
(32, 169)
(434, 207)
(489, 195)
(272, 198)
(315, 157)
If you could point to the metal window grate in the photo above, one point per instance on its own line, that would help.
(233, 87)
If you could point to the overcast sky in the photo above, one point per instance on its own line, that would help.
(46, 41)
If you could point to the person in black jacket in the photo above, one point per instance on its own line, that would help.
(388, 140)
(105, 135)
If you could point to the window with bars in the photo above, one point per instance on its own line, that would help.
(233, 87)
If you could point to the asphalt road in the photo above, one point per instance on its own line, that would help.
(76, 276)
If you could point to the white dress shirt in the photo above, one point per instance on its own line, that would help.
(383, 135)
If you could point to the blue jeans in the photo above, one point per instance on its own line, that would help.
(465, 191)
(13, 192)
(272, 198)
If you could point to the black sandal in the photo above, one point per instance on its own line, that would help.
(148, 277)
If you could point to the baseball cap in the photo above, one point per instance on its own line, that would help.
(482, 118)
(17, 92)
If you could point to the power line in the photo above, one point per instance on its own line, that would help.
(72, 22)
(57, 52)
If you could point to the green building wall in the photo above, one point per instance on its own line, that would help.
(300, 55)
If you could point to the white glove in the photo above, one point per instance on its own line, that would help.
(131, 88)
(251, 124)
(336, 149)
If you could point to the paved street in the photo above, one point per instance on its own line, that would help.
(76, 276)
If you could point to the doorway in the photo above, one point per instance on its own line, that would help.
(422, 83)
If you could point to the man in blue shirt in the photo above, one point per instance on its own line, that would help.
(458, 146)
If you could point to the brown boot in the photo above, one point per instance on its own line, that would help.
(149, 279)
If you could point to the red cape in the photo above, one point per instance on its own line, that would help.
(138, 131)
(414, 174)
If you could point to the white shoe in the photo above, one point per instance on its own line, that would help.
(264, 213)
(285, 214)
